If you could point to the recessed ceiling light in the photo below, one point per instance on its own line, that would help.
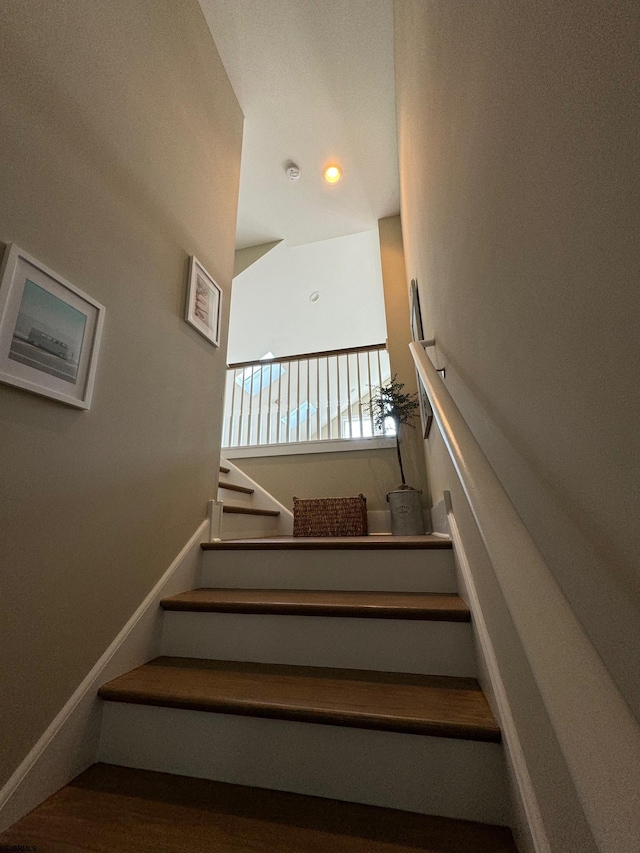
(333, 174)
(314, 296)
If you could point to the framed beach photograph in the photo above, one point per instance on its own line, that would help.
(417, 333)
(49, 331)
(204, 302)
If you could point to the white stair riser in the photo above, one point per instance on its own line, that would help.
(408, 571)
(441, 776)
(394, 645)
(242, 526)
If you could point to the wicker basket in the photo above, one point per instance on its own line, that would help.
(330, 517)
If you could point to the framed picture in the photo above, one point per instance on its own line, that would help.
(417, 333)
(204, 303)
(49, 331)
(426, 412)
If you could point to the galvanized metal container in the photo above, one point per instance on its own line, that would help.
(406, 512)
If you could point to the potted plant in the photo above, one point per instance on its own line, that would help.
(390, 403)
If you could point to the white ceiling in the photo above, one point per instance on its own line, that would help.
(315, 81)
(270, 307)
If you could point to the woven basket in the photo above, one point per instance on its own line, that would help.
(330, 517)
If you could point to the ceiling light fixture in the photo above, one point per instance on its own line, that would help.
(314, 296)
(333, 174)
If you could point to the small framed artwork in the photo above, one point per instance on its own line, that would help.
(417, 333)
(426, 412)
(49, 331)
(204, 303)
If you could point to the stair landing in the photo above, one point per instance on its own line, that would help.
(119, 810)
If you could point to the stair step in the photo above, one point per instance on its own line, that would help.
(310, 630)
(329, 543)
(249, 510)
(440, 607)
(382, 563)
(233, 488)
(224, 469)
(394, 702)
(123, 808)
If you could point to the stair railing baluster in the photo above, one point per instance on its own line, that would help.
(279, 407)
(359, 398)
(251, 395)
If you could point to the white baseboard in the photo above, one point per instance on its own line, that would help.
(440, 525)
(533, 836)
(70, 743)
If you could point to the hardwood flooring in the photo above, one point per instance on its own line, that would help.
(376, 605)
(118, 810)
(399, 702)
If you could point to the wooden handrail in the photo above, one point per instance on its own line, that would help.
(595, 727)
(301, 356)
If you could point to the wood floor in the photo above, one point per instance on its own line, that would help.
(118, 810)
(398, 702)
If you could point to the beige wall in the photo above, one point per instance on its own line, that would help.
(246, 257)
(396, 306)
(325, 475)
(120, 142)
(518, 139)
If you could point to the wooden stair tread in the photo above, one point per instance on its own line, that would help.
(249, 510)
(224, 469)
(378, 605)
(325, 543)
(126, 810)
(399, 702)
(233, 488)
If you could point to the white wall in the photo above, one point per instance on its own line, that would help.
(270, 308)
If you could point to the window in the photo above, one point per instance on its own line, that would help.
(305, 410)
(351, 429)
(254, 378)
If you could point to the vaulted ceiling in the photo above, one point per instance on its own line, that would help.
(315, 81)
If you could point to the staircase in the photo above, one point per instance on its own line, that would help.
(247, 510)
(341, 668)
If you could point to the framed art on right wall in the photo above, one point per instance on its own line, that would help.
(417, 333)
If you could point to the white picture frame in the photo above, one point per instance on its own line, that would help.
(50, 331)
(204, 302)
